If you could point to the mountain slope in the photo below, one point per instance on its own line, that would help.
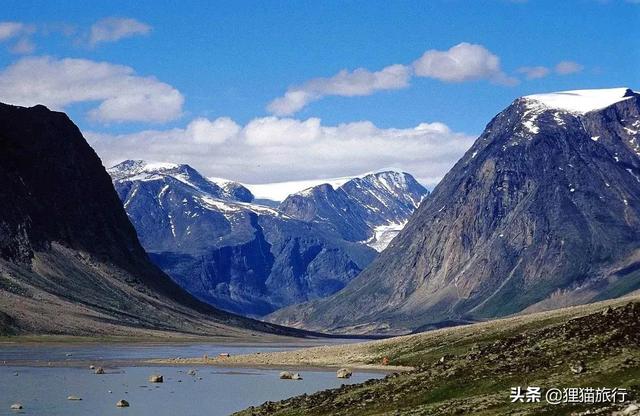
(239, 256)
(543, 211)
(70, 261)
(360, 208)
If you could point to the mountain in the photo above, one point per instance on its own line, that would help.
(372, 208)
(543, 211)
(70, 260)
(240, 256)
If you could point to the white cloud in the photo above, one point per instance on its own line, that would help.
(112, 29)
(10, 30)
(122, 95)
(562, 68)
(568, 67)
(346, 84)
(272, 149)
(534, 72)
(463, 62)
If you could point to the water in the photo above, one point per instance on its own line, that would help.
(43, 390)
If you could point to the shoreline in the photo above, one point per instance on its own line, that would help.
(370, 368)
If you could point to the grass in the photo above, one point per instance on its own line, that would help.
(483, 361)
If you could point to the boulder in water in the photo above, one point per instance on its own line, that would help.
(286, 375)
(122, 403)
(156, 378)
(344, 373)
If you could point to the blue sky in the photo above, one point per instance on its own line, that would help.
(232, 59)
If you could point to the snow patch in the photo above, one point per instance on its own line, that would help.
(582, 101)
(383, 234)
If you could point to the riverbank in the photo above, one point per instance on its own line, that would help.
(471, 369)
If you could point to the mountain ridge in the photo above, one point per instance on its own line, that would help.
(517, 224)
(70, 260)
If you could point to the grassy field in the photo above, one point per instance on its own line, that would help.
(471, 369)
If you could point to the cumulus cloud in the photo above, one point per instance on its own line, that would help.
(273, 149)
(568, 67)
(112, 29)
(463, 62)
(122, 95)
(345, 83)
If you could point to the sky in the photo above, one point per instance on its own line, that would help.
(275, 91)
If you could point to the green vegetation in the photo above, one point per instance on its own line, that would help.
(470, 370)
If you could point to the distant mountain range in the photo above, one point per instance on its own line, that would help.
(542, 212)
(238, 254)
(70, 260)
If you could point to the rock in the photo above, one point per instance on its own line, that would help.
(156, 378)
(16, 406)
(92, 367)
(122, 403)
(578, 367)
(191, 372)
(286, 375)
(99, 370)
(296, 376)
(74, 398)
(344, 373)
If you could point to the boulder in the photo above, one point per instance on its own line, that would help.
(344, 373)
(99, 370)
(578, 367)
(16, 406)
(191, 372)
(296, 376)
(122, 403)
(92, 367)
(156, 378)
(286, 375)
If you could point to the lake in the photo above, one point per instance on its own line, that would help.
(47, 375)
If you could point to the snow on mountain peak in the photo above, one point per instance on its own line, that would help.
(279, 191)
(138, 167)
(582, 101)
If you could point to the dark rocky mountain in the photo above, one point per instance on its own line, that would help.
(372, 208)
(242, 257)
(543, 211)
(70, 261)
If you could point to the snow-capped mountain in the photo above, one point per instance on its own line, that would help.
(372, 208)
(234, 254)
(543, 211)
